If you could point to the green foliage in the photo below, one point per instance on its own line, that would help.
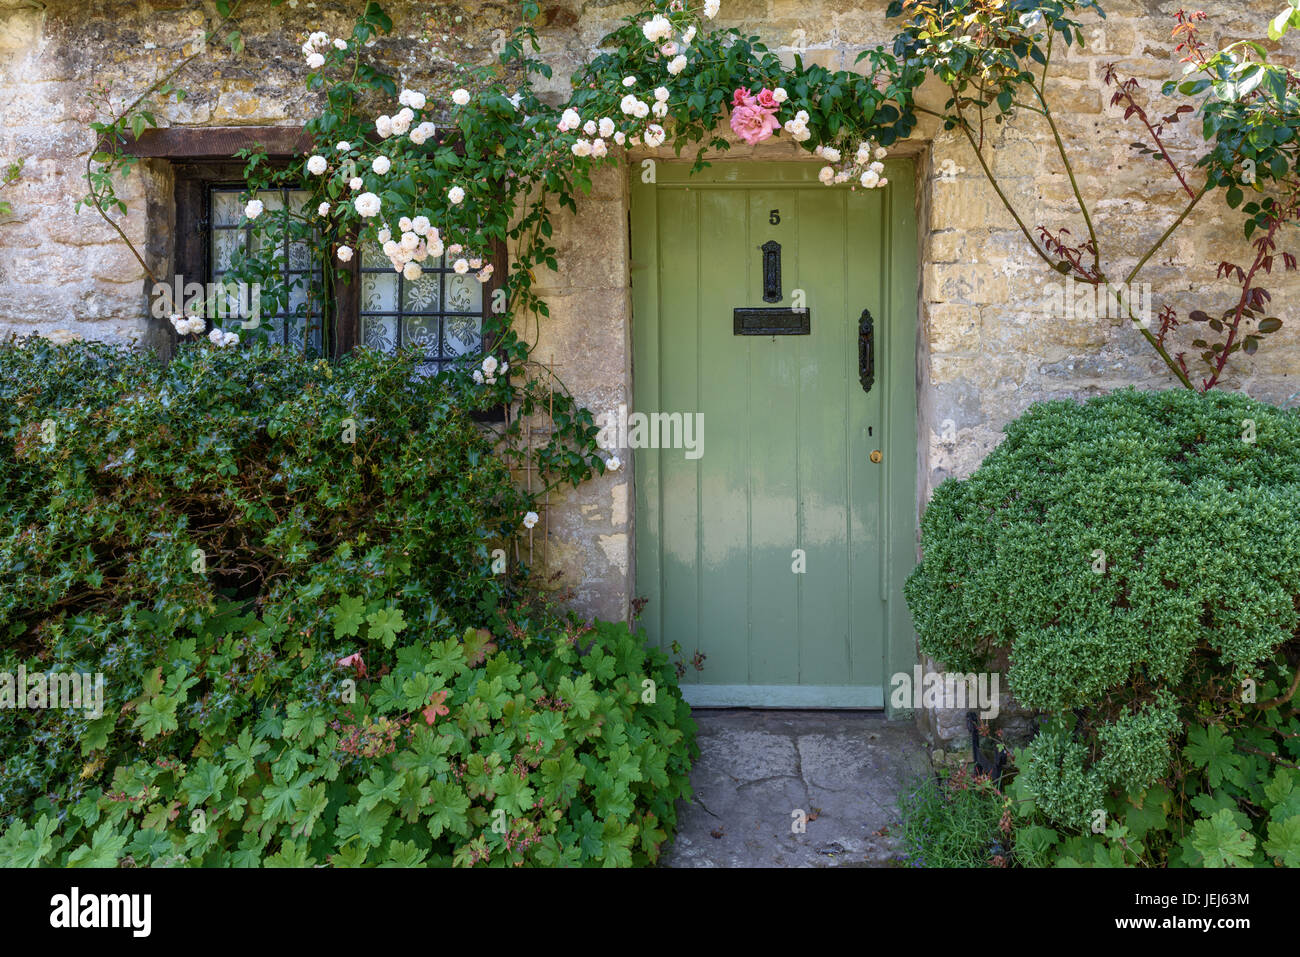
(337, 677)
(953, 821)
(1138, 558)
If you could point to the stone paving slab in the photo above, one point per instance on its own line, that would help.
(842, 769)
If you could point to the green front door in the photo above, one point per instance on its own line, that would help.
(773, 543)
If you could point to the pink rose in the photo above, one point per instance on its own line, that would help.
(753, 124)
(767, 101)
(742, 98)
(353, 661)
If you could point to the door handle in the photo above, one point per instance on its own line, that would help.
(866, 351)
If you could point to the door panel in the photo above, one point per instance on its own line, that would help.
(787, 436)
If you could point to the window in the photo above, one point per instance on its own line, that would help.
(440, 315)
(297, 321)
(328, 308)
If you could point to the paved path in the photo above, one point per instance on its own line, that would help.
(842, 769)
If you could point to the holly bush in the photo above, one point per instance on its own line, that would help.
(285, 572)
(1138, 559)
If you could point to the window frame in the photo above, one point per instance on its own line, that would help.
(203, 157)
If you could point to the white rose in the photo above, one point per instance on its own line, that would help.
(827, 175)
(455, 195)
(711, 8)
(620, 137)
(629, 81)
(416, 101)
(254, 208)
(368, 205)
(654, 135)
(196, 325)
(461, 266)
(869, 180)
(780, 95)
(384, 235)
(317, 165)
(460, 97)
(323, 209)
(677, 64)
(402, 122)
(345, 254)
(478, 376)
(831, 153)
(384, 127)
(657, 28)
(215, 336)
(590, 127)
(381, 165)
(530, 519)
(877, 168)
(412, 272)
(230, 339)
(688, 36)
(881, 152)
(641, 110)
(420, 225)
(490, 365)
(343, 146)
(355, 183)
(661, 93)
(628, 104)
(598, 147)
(660, 110)
(605, 127)
(422, 133)
(340, 44)
(315, 61)
(613, 463)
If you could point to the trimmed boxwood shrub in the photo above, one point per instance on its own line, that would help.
(1138, 558)
(282, 568)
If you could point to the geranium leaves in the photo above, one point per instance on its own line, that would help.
(1211, 749)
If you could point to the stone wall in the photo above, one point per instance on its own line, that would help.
(989, 344)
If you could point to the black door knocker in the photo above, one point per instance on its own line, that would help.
(866, 351)
(771, 271)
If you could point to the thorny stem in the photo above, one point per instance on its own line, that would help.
(1069, 171)
(1264, 248)
(149, 91)
(988, 173)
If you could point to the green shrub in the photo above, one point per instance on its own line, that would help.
(307, 657)
(957, 821)
(1138, 557)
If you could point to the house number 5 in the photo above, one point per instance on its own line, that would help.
(774, 217)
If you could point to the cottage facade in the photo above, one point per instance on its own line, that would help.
(780, 549)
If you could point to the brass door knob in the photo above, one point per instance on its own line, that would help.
(876, 456)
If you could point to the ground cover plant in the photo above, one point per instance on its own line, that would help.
(283, 571)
